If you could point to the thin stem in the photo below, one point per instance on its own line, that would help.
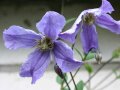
(99, 69)
(108, 84)
(79, 53)
(74, 43)
(73, 81)
(89, 86)
(70, 72)
(77, 70)
(66, 83)
(62, 85)
(62, 6)
(105, 78)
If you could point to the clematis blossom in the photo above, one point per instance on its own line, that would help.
(87, 21)
(46, 43)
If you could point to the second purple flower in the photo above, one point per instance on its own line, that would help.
(87, 21)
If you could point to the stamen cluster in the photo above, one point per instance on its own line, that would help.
(88, 18)
(45, 44)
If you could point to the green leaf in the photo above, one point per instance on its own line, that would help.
(116, 74)
(80, 85)
(116, 53)
(70, 20)
(65, 88)
(59, 80)
(118, 77)
(89, 68)
(90, 56)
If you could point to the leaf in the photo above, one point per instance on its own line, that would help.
(59, 80)
(65, 88)
(90, 56)
(114, 71)
(118, 77)
(89, 68)
(80, 85)
(116, 74)
(116, 53)
(86, 57)
(70, 20)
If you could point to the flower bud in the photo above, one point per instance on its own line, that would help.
(58, 71)
(98, 57)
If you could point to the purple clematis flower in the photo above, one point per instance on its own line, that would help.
(87, 21)
(46, 43)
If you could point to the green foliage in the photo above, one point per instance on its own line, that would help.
(118, 77)
(116, 53)
(65, 88)
(116, 74)
(89, 68)
(70, 20)
(59, 80)
(80, 85)
(90, 56)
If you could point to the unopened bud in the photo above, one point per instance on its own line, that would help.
(98, 57)
(58, 71)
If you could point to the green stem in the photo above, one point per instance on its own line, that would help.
(62, 85)
(62, 6)
(66, 83)
(73, 81)
(79, 53)
(77, 70)
(89, 86)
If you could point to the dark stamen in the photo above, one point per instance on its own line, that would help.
(45, 44)
(88, 18)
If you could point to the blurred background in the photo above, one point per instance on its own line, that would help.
(27, 13)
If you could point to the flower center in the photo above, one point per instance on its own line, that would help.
(45, 44)
(88, 18)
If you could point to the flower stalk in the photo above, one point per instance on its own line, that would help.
(73, 81)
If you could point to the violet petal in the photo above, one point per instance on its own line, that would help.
(107, 22)
(63, 55)
(35, 65)
(106, 7)
(17, 37)
(89, 37)
(70, 34)
(51, 24)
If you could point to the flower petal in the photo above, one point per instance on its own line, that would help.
(106, 7)
(89, 38)
(107, 22)
(70, 34)
(63, 55)
(35, 65)
(18, 37)
(51, 24)
(68, 64)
